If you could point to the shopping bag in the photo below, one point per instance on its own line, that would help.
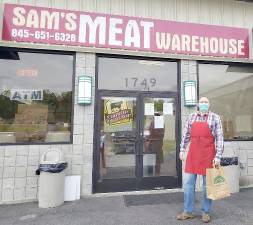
(216, 183)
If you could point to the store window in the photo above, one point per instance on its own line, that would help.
(136, 75)
(230, 90)
(35, 97)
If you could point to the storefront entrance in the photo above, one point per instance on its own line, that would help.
(136, 141)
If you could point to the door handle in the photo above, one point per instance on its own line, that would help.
(138, 142)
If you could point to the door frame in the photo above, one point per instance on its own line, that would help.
(98, 92)
(138, 182)
(110, 185)
(149, 182)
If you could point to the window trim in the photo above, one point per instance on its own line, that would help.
(55, 52)
(246, 64)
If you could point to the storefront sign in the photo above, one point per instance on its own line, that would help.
(64, 27)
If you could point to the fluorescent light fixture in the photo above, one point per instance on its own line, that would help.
(190, 93)
(84, 90)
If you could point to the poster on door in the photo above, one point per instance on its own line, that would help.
(118, 115)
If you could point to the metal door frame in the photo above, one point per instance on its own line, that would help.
(139, 182)
(120, 184)
(164, 181)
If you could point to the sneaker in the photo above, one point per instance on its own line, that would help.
(185, 216)
(206, 218)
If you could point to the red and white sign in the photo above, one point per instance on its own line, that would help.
(63, 27)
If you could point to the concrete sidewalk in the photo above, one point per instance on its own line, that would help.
(148, 209)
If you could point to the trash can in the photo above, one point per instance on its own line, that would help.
(231, 169)
(52, 179)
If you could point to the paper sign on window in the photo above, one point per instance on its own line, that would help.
(149, 109)
(159, 122)
(167, 108)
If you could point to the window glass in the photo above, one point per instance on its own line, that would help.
(230, 90)
(134, 74)
(35, 97)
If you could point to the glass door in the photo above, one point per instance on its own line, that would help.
(159, 145)
(117, 143)
(136, 144)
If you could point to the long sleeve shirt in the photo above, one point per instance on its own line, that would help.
(214, 123)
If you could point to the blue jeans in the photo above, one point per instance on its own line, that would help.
(189, 194)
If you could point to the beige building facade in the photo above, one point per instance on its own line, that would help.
(86, 126)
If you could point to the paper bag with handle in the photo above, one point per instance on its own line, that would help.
(216, 183)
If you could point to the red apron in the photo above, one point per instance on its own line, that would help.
(202, 149)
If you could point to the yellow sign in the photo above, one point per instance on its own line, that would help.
(118, 114)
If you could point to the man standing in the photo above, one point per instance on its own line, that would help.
(204, 132)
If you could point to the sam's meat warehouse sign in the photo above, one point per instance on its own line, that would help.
(63, 27)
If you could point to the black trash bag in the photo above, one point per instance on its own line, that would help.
(228, 161)
(51, 168)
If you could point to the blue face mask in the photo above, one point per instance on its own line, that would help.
(203, 107)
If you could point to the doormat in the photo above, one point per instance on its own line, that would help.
(153, 199)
